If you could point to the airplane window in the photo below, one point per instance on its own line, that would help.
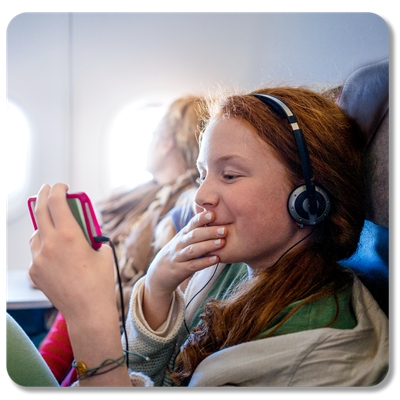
(129, 137)
(17, 153)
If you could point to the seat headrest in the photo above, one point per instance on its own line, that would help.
(365, 97)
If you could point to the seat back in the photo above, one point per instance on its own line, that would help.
(365, 97)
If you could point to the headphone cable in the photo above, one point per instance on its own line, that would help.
(103, 239)
(196, 294)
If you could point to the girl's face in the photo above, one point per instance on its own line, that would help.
(247, 188)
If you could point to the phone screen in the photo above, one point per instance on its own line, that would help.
(76, 208)
(82, 210)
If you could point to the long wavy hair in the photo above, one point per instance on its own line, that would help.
(310, 270)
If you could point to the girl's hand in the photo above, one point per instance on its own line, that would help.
(191, 250)
(79, 281)
(76, 278)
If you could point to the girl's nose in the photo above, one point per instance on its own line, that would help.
(206, 196)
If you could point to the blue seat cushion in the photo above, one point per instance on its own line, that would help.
(371, 262)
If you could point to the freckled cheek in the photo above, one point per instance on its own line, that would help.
(250, 220)
(261, 218)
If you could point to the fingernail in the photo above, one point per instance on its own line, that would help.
(221, 231)
(213, 259)
(217, 242)
(208, 216)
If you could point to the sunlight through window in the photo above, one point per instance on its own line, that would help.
(129, 138)
(17, 150)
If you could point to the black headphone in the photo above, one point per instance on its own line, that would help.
(308, 204)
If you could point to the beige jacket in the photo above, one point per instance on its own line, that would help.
(320, 357)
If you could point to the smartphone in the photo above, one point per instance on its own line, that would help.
(83, 211)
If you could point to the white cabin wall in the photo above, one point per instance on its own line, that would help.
(38, 82)
(72, 73)
(120, 58)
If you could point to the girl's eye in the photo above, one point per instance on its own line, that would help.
(229, 177)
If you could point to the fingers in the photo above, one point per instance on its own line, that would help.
(53, 214)
(199, 240)
(59, 208)
(51, 204)
(199, 264)
(200, 219)
(42, 213)
(52, 209)
(202, 242)
(194, 248)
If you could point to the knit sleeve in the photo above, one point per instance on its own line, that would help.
(150, 351)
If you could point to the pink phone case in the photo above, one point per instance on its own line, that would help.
(83, 211)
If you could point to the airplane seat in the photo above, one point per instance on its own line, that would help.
(25, 366)
(365, 97)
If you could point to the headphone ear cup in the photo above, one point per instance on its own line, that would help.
(298, 205)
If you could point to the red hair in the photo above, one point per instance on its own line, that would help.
(310, 270)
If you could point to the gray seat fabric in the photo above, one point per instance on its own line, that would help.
(365, 97)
